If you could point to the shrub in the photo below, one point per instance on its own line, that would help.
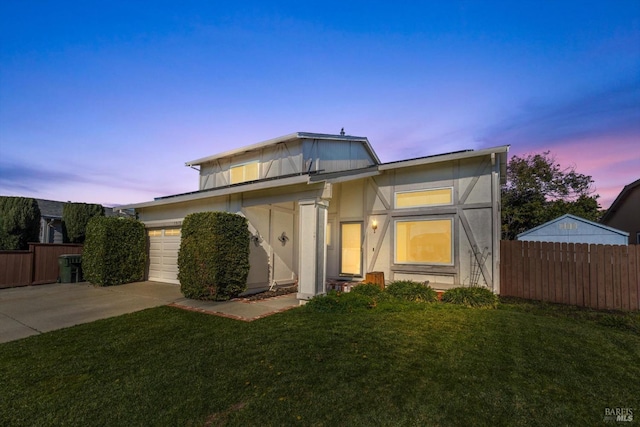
(473, 296)
(114, 251)
(368, 289)
(409, 290)
(19, 222)
(213, 261)
(340, 302)
(75, 217)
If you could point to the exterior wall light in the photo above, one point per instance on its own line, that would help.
(374, 225)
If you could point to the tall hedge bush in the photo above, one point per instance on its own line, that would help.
(19, 222)
(213, 261)
(115, 251)
(75, 217)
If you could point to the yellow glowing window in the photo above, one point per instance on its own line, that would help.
(155, 233)
(351, 248)
(424, 242)
(172, 232)
(328, 234)
(246, 172)
(436, 196)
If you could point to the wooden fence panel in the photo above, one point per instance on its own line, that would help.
(634, 277)
(547, 270)
(597, 276)
(537, 266)
(45, 262)
(36, 266)
(624, 278)
(15, 268)
(557, 279)
(600, 279)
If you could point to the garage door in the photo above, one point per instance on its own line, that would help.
(164, 244)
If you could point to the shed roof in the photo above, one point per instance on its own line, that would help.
(573, 218)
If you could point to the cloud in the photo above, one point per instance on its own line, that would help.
(88, 184)
(17, 177)
(612, 110)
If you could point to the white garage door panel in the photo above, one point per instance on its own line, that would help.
(163, 255)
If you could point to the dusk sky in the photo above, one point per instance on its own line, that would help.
(104, 102)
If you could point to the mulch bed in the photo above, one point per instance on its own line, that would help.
(270, 294)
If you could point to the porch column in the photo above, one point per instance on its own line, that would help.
(312, 250)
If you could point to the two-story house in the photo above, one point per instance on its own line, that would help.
(324, 207)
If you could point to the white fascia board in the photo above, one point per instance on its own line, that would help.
(503, 150)
(206, 194)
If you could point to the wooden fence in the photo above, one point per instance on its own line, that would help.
(596, 276)
(36, 266)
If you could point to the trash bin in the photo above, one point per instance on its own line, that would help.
(70, 268)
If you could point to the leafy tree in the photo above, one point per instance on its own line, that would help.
(75, 217)
(19, 222)
(538, 190)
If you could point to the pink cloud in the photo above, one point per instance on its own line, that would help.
(611, 160)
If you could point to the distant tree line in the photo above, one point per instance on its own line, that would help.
(20, 221)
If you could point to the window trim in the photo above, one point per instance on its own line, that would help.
(423, 219)
(395, 197)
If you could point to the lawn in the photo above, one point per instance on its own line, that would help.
(424, 364)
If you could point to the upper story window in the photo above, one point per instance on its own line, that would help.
(431, 197)
(244, 172)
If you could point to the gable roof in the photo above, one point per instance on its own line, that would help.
(619, 200)
(290, 137)
(573, 218)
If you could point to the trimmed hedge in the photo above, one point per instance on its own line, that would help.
(19, 222)
(75, 217)
(473, 296)
(213, 261)
(115, 251)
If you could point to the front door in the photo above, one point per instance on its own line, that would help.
(351, 248)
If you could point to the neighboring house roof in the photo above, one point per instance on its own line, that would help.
(617, 203)
(573, 218)
(50, 208)
(290, 137)
(54, 208)
(314, 177)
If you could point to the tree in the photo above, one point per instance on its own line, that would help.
(19, 222)
(75, 217)
(538, 190)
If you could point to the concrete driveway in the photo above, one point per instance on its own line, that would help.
(32, 310)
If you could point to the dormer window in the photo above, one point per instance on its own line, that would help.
(244, 172)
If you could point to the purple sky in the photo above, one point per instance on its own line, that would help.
(104, 102)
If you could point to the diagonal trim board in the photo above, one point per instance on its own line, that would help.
(376, 252)
(483, 165)
(472, 241)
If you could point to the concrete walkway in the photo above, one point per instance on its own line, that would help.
(33, 310)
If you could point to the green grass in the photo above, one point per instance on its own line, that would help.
(423, 364)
